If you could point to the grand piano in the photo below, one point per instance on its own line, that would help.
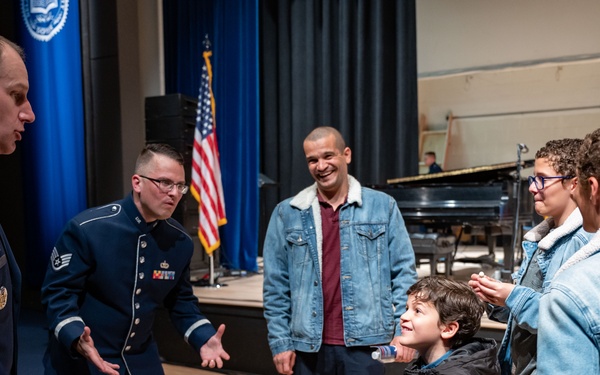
(479, 200)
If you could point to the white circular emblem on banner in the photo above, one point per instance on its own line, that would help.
(44, 18)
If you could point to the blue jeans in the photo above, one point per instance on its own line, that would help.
(337, 359)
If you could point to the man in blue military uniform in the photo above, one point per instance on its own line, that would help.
(15, 111)
(110, 270)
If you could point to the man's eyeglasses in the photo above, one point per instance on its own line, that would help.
(539, 180)
(167, 185)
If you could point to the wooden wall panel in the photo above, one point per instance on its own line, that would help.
(495, 110)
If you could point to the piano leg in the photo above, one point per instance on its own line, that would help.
(491, 240)
(490, 232)
(433, 261)
(505, 234)
(509, 256)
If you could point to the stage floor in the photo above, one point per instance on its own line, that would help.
(182, 370)
(246, 291)
(237, 302)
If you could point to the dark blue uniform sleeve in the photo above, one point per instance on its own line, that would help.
(185, 312)
(64, 285)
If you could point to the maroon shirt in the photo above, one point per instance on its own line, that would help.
(333, 323)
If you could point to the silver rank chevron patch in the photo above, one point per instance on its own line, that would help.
(59, 261)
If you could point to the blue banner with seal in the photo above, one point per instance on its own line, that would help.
(53, 146)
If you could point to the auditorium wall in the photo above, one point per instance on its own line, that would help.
(494, 74)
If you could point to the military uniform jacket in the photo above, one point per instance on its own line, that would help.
(10, 295)
(110, 271)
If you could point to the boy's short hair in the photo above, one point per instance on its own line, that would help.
(454, 301)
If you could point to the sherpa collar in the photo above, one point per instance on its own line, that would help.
(304, 199)
(541, 233)
(585, 252)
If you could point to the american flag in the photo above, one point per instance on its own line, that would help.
(206, 170)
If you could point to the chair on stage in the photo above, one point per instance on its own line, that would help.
(436, 248)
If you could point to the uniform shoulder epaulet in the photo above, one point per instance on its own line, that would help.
(95, 213)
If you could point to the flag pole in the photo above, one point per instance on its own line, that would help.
(212, 279)
(211, 258)
(206, 185)
(211, 271)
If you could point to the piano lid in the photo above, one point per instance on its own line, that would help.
(474, 174)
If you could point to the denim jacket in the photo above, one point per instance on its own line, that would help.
(522, 304)
(377, 268)
(569, 327)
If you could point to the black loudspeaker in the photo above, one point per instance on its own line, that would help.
(171, 119)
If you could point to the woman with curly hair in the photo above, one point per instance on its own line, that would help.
(545, 247)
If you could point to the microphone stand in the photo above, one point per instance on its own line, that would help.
(509, 263)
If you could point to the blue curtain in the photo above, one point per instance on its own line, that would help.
(232, 28)
(53, 146)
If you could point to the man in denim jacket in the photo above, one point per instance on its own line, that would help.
(569, 333)
(546, 247)
(337, 264)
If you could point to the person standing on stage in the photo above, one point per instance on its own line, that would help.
(568, 341)
(337, 264)
(546, 247)
(430, 161)
(110, 270)
(15, 112)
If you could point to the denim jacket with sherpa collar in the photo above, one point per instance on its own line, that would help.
(556, 246)
(377, 267)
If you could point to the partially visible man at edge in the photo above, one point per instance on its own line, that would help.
(15, 111)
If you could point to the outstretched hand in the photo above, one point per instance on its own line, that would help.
(212, 353)
(85, 347)
(490, 290)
